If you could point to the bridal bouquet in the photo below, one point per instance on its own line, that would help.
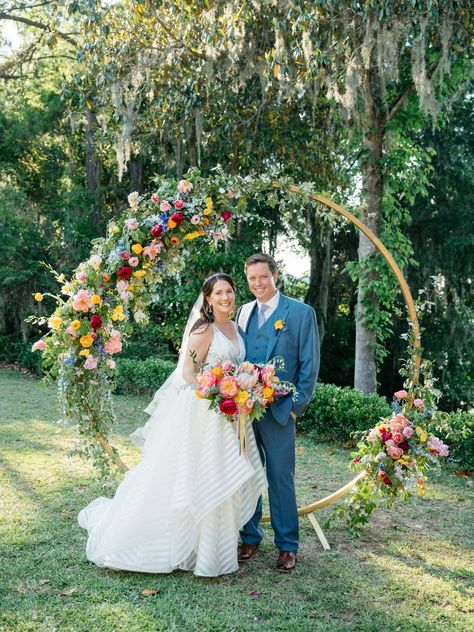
(238, 391)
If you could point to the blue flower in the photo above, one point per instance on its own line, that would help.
(396, 406)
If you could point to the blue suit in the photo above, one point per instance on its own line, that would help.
(297, 341)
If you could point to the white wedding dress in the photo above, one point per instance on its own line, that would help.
(182, 506)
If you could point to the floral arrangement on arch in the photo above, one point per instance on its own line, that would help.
(113, 289)
(397, 453)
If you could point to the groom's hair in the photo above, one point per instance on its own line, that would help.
(261, 257)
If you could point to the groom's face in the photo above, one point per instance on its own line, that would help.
(262, 282)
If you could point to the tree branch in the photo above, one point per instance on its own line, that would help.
(39, 25)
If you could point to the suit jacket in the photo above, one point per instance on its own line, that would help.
(298, 343)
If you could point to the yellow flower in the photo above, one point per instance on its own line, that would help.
(118, 309)
(66, 289)
(139, 273)
(55, 322)
(171, 223)
(61, 278)
(267, 392)
(242, 397)
(193, 235)
(137, 248)
(217, 371)
(209, 203)
(207, 211)
(421, 433)
(86, 341)
(76, 324)
(146, 266)
(38, 297)
(84, 352)
(279, 324)
(96, 299)
(115, 230)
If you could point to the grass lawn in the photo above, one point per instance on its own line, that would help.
(412, 568)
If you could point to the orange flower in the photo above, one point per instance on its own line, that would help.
(137, 248)
(86, 341)
(106, 277)
(267, 392)
(228, 387)
(217, 371)
(174, 240)
(171, 223)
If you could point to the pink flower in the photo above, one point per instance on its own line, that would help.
(39, 345)
(125, 255)
(132, 223)
(373, 435)
(184, 186)
(133, 261)
(400, 394)
(228, 386)
(398, 422)
(165, 206)
(122, 286)
(408, 432)
(178, 204)
(267, 374)
(91, 362)
(230, 194)
(206, 381)
(195, 219)
(436, 446)
(226, 215)
(155, 198)
(72, 332)
(246, 376)
(82, 301)
(152, 250)
(419, 403)
(81, 276)
(394, 452)
(114, 345)
(397, 437)
(226, 366)
(110, 363)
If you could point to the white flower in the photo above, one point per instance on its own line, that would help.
(139, 316)
(95, 261)
(133, 199)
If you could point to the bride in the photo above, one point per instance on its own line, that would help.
(182, 506)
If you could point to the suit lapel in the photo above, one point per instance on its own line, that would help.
(244, 315)
(280, 313)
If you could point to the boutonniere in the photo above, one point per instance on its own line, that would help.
(279, 325)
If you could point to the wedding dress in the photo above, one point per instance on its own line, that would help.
(182, 506)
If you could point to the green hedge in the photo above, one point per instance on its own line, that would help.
(335, 412)
(142, 376)
(14, 351)
(457, 431)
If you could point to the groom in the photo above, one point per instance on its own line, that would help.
(276, 325)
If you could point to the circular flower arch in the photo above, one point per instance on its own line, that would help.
(116, 286)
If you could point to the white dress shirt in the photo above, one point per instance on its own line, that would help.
(272, 304)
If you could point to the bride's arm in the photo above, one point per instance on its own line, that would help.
(198, 346)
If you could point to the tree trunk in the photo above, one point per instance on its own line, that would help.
(136, 175)
(365, 373)
(92, 164)
(320, 273)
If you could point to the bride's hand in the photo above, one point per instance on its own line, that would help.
(196, 353)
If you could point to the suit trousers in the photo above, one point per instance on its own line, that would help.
(276, 444)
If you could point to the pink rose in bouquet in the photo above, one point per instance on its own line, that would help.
(114, 344)
(91, 362)
(436, 446)
(82, 301)
(206, 381)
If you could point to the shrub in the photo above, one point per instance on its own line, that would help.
(335, 412)
(142, 377)
(457, 430)
(16, 351)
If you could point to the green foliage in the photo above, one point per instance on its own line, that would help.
(17, 352)
(142, 376)
(457, 430)
(334, 413)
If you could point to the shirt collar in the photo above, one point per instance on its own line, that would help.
(272, 303)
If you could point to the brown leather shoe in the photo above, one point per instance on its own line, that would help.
(247, 551)
(286, 562)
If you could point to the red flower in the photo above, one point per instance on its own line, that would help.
(226, 215)
(157, 230)
(178, 204)
(124, 272)
(177, 218)
(403, 446)
(383, 477)
(386, 436)
(228, 407)
(125, 255)
(96, 321)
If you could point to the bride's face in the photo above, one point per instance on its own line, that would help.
(222, 298)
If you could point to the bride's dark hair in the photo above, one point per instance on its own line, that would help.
(206, 313)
